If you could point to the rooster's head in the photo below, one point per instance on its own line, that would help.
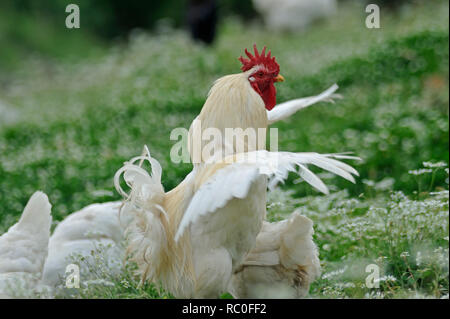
(263, 72)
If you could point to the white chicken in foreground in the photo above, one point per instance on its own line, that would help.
(98, 225)
(93, 232)
(23, 249)
(195, 237)
(282, 264)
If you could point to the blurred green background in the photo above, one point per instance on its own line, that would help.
(36, 28)
(75, 104)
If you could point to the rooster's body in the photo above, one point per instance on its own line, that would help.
(195, 237)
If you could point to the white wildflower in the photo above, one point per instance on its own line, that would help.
(101, 282)
(368, 182)
(334, 273)
(388, 278)
(125, 283)
(343, 285)
(404, 254)
(418, 258)
(385, 184)
(434, 165)
(421, 171)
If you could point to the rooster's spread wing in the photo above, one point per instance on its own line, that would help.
(286, 109)
(234, 180)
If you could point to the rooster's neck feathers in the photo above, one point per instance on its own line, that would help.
(233, 93)
(233, 103)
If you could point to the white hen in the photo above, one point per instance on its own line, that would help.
(23, 249)
(282, 264)
(93, 232)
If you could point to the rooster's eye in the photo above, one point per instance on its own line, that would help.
(260, 73)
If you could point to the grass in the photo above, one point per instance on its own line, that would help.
(68, 128)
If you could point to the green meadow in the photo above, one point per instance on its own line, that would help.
(67, 125)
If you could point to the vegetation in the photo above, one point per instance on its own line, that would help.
(67, 126)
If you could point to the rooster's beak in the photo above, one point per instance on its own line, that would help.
(279, 78)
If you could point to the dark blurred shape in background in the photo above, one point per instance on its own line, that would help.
(114, 18)
(202, 20)
(36, 28)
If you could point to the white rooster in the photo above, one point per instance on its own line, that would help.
(195, 237)
(23, 249)
(95, 225)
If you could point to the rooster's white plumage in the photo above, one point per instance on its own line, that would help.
(195, 237)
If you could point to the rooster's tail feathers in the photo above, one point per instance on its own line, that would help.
(146, 189)
(149, 235)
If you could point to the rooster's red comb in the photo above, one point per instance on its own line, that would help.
(256, 59)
